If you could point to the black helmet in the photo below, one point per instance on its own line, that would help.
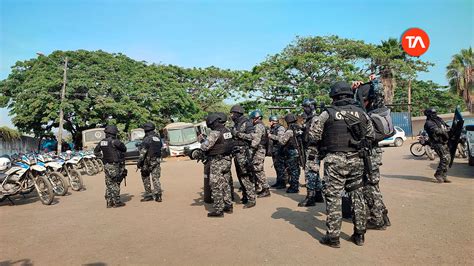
(237, 109)
(255, 114)
(290, 118)
(211, 118)
(111, 129)
(363, 92)
(273, 118)
(309, 102)
(430, 111)
(148, 127)
(222, 118)
(340, 88)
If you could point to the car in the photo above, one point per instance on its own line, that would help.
(470, 143)
(397, 140)
(133, 154)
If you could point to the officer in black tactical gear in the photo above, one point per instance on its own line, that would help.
(311, 169)
(218, 148)
(438, 131)
(112, 152)
(149, 163)
(343, 129)
(278, 157)
(241, 156)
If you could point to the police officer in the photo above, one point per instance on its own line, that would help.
(311, 169)
(246, 179)
(276, 131)
(112, 152)
(218, 147)
(340, 128)
(369, 96)
(289, 141)
(258, 147)
(149, 163)
(438, 131)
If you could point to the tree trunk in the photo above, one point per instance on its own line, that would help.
(389, 84)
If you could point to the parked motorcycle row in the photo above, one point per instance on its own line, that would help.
(423, 147)
(47, 174)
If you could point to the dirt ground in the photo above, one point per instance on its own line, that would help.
(431, 223)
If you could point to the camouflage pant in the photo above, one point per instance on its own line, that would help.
(343, 171)
(311, 170)
(444, 159)
(293, 168)
(245, 178)
(259, 172)
(151, 169)
(112, 187)
(219, 181)
(372, 195)
(279, 165)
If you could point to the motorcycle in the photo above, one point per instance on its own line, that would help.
(57, 180)
(24, 177)
(68, 169)
(82, 163)
(422, 146)
(462, 149)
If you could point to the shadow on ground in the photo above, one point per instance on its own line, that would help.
(458, 169)
(410, 177)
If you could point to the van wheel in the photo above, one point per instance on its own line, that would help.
(398, 142)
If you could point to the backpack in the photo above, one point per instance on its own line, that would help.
(382, 122)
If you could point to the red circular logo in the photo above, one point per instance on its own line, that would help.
(415, 41)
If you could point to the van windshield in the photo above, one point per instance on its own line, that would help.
(182, 136)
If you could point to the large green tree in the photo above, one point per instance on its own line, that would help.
(102, 88)
(460, 74)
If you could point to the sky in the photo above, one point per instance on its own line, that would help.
(227, 34)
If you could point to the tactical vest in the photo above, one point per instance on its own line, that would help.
(291, 144)
(224, 143)
(154, 145)
(307, 125)
(243, 122)
(336, 134)
(110, 153)
(274, 131)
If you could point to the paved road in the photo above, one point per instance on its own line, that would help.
(431, 223)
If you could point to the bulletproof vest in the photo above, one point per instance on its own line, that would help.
(291, 144)
(153, 143)
(337, 135)
(110, 153)
(274, 131)
(224, 143)
(264, 139)
(248, 128)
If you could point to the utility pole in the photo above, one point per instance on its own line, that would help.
(61, 106)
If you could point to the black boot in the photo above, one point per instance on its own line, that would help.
(330, 241)
(110, 204)
(385, 218)
(157, 197)
(318, 197)
(374, 226)
(229, 209)
(265, 193)
(215, 214)
(250, 204)
(244, 199)
(358, 239)
(292, 189)
(277, 184)
(119, 204)
(282, 185)
(309, 200)
(147, 198)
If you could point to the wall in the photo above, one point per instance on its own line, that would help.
(23, 145)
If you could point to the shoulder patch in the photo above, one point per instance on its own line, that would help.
(104, 143)
(227, 135)
(156, 139)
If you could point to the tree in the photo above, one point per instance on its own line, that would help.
(102, 88)
(460, 76)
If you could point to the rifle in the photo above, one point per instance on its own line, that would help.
(299, 147)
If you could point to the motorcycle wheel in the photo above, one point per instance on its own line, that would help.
(101, 165)
(75, 180)
(462, 150)
(429, 152)
(44, 189)
(59, 183)
(417, 149)
(89, 168)
(96, 166)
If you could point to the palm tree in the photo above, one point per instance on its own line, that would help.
(460, 73)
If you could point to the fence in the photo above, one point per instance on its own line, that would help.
(23, 145)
